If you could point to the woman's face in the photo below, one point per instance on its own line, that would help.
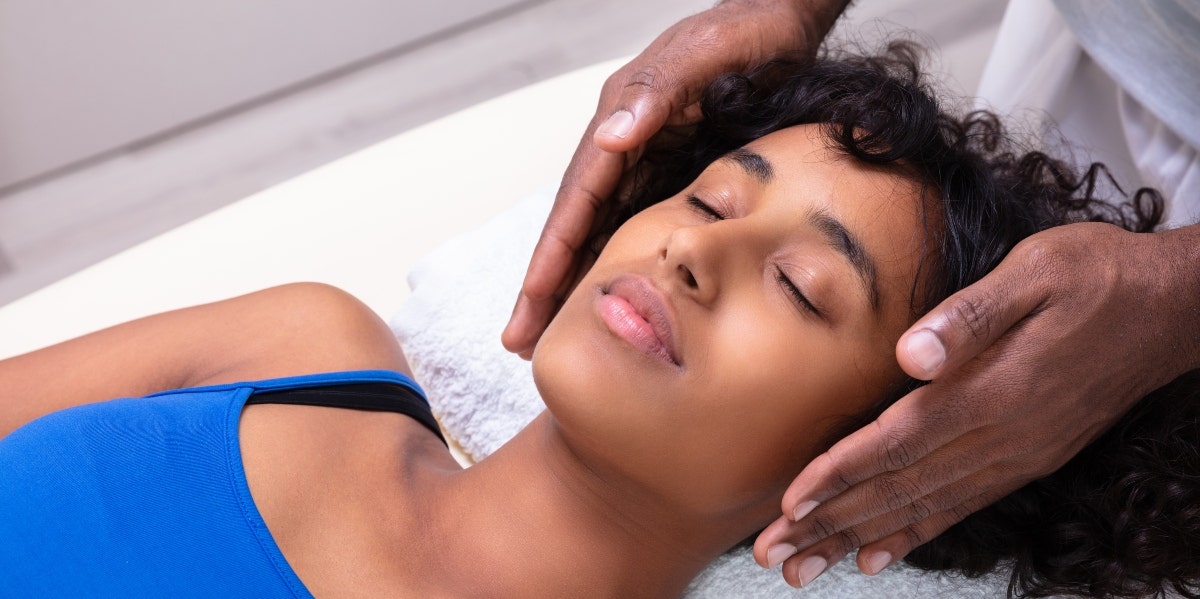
(723, 331)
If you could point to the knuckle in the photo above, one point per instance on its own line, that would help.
(973, 315)
(840, 479)
(843, 480)
(648, 79)
(1043, 255)
(896, 492)
(914, 537)
(822, 527)
(898, 449)
(919, 510)
(848, 540)
(707, 34)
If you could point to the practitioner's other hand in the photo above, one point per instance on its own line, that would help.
(1028, 366)
(661, 86)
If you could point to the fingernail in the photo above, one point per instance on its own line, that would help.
(926, 351)
(617, 125)
(811, 568)
(877, 561)
(778, 553)
(803, 508)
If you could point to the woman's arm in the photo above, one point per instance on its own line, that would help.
(283, 331)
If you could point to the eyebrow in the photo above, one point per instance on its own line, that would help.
(753, 163)
(836, 234)
(840, 238)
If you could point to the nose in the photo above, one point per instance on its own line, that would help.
(690, 260)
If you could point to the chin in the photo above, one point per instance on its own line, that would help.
(564, 362)
(586, 387)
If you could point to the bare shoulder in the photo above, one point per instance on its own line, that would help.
(302, 328)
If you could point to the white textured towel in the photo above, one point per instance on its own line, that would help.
(462, 295)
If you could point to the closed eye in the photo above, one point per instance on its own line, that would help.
(700, 206)
(795, 292)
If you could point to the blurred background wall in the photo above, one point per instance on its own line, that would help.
(78, 79)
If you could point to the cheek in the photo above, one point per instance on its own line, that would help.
(771, 394)
(608, 405)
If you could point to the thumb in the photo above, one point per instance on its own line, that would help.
(645, 105)
(967, 323)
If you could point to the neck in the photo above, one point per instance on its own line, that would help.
(535, 520)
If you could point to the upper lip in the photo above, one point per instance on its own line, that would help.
(651, 304)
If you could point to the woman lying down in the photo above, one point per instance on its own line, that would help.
(738, 320)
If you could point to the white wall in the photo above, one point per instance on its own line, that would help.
(81, 78)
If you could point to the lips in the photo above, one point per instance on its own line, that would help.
(635, 310)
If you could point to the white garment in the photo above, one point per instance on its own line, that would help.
(1151, 48)
(1164, 159)
(1039, 74)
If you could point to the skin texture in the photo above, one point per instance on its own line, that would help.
(206, 345)
(759, 376)
(1078, 320)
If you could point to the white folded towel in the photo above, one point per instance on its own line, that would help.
(450, 328)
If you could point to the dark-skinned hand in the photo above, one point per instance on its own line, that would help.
(1027, 366)
(661, 86)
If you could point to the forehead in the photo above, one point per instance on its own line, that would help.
(876, 204)
(804, 157)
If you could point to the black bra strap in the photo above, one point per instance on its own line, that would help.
(377, 397)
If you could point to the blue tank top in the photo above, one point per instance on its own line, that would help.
(143, 498)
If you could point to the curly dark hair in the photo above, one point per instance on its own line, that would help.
(1122, 518)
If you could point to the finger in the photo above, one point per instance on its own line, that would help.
(820, 527)
(802, 569)
(805, 566)
(969, 321)
(798, 569)
(943, 479)
(888, 538)
(904, 433)
(651, 92)
(590, 179)
(525, 326)
(874, 557)
(664, 83)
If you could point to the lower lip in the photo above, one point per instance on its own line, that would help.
(625, 322)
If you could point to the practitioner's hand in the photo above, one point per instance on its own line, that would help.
(661, 86)
(1028, 366)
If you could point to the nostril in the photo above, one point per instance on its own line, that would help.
(688, 277)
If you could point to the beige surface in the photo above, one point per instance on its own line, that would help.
(74, 219)
(360, 222)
